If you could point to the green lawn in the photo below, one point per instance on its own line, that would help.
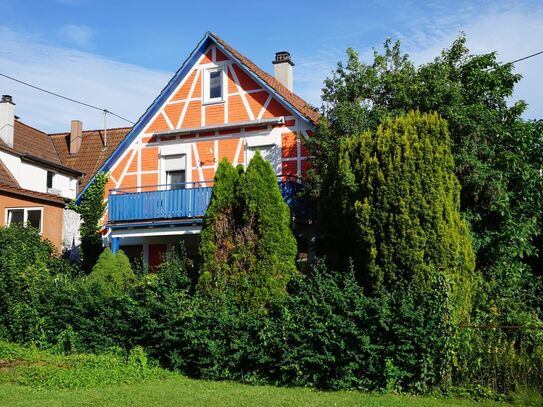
(181, 391)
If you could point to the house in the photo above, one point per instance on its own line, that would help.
(218, 104)
(34, 184)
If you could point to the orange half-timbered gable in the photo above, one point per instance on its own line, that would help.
(244, 101)
(218, 105)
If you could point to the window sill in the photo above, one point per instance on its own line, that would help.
(213, 102)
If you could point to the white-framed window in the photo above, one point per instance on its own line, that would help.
(25, 216)
(269, 152)
(269, 146)
(214, 85)
(175, 166)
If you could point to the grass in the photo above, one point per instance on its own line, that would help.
(33, 377)
(180, 391)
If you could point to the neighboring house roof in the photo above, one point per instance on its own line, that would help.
(10, 185)
(33, 142)
(92, 153)
(11, 189)
(24, 144)
(297, 104)
(6, 177)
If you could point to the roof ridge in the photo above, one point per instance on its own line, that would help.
(30, 127)
(65, 133)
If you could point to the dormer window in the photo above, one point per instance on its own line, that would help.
(213, 85)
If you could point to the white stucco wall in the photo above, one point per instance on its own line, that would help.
(70, 229)
(34, 178)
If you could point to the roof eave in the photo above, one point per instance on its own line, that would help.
(170, 86)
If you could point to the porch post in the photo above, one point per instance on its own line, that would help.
(114, 244)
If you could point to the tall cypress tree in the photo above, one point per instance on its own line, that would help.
(398, 191)
(217, 237)
(247, 247)
(270, 246)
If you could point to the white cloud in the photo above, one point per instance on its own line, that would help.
(510, 32)
(80, 35)
(513, 35)
(121, 88)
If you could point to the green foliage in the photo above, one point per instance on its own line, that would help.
(498, 155)
(112, 274)
(91, 208)
(397, 191)
(247, 246)
(41, 369)
(27, 264)
(218, 237)
(326, 333)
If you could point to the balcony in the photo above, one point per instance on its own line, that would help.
(176, 201)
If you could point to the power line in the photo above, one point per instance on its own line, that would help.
(105, 111)
(527, 57)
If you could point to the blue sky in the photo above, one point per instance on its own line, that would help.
(120, 54)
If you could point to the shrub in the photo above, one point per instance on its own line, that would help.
(112, 274)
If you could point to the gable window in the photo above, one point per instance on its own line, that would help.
(25, 216)
(213, 85)
(175, 165)
(50, 177)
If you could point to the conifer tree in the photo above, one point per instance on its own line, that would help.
(398, 190)
(270, 249)
(247, 247)
(112, 273)
(217, 237)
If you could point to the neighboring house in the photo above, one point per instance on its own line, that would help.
(34, 184)
(218, 104)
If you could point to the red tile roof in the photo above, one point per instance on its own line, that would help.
(6, 177)
(31, 194)
(31, 141)
(297, 102)
(28, 141)
(92, 153)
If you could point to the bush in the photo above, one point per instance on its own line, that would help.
(112, 274)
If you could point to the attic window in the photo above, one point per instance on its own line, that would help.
(213, 85)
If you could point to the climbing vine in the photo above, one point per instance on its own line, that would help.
(91, 208)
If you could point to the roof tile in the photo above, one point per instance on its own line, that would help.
(31, 141)
(92, 153)
(297, 102)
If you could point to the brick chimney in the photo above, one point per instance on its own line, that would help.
(7, 119)
(76, 136)
(282, 69)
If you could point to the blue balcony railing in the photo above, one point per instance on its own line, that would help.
(175, 201)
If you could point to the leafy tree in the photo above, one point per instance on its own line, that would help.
(498, 156)
(247, 246)
(397, 190)
(270, 249)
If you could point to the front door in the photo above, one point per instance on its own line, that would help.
(156, 253)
